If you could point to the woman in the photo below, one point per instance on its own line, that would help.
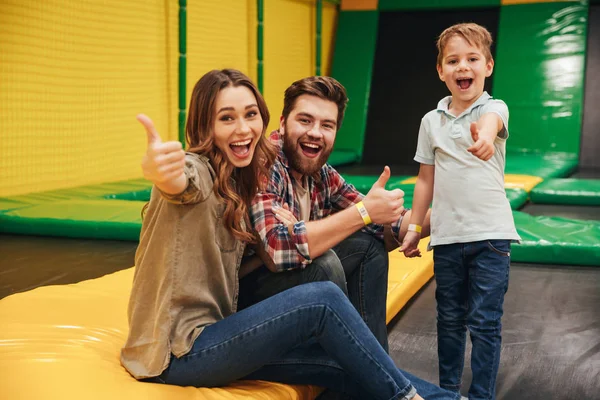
(184, 328)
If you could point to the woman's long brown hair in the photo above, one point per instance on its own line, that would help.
(236, 186)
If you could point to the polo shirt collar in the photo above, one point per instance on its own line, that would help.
(445, 102)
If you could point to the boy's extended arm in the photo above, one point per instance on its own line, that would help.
(421, 201)
(484, 133)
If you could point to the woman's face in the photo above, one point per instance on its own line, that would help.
(238, 124)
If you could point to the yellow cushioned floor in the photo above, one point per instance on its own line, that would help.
(63, 342)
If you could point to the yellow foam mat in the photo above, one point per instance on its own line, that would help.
(525, 182)
(406, 277)
(63, 342)
(511, 181)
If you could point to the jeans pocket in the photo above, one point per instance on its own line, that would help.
(501, 247)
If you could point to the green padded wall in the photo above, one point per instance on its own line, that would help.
(389, 5)
(539, 73)
(353, 66)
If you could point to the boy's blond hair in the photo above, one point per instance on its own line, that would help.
(476, 35)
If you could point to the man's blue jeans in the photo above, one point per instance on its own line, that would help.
(358, 266)
(471, 279)
(309, 334)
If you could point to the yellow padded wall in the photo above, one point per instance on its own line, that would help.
(218, 36)
(289, 47)
(73, 75)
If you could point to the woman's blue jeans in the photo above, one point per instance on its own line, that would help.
(471, 279)
(310, 334)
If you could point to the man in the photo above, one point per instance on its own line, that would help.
(312, 225)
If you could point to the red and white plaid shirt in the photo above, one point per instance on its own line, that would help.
(328, 195)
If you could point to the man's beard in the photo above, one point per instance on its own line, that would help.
(301, 163)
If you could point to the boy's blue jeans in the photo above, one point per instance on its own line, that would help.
(310, 334)
(471, 279)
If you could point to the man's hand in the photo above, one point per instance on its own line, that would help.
(483, 148)
(163, 161)
(410, 243)
(384, 206)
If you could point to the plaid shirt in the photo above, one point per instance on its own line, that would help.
(328, 194)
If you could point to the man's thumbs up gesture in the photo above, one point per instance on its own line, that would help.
(163, 162)
(384, 206)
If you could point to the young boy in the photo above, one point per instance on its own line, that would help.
(461, 148)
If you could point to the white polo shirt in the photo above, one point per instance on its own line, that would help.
(469, 201)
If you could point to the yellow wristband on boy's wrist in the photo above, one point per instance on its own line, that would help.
(363, 213)
(415, 228)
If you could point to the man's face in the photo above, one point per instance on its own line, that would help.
(309, 133)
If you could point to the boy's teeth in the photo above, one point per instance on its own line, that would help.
(314, 146)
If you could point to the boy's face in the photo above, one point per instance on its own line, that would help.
(309, 133)
(464, 69)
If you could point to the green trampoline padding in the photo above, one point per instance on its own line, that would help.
(584, 192)
(554, 240)
(82, 218)
(516, 197)
(342, 157)
(363, 183)
(102, 190)
(544, 165)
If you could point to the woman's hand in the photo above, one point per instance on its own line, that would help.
(163, 162)
(286, 217)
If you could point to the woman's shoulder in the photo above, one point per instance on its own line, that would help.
(201, 164)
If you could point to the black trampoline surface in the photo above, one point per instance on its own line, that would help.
(31, 261)
(551, 335)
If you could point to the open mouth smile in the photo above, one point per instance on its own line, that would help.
(464, 83)
(241, 148)
(310, 150)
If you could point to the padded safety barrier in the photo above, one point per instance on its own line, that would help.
(585, 192)
(63, 342)
(93, 219)
(342, 157)
(554, 240)
(363, 183)
(543, 165)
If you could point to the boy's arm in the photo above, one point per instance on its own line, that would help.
(484, 133)
(421, 200)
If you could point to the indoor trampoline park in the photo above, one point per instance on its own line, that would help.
(74, 74)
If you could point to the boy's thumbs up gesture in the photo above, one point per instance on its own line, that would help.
(483, 148)
(163, 162)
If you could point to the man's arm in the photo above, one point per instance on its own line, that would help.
(383, 207)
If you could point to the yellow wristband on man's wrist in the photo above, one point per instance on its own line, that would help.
(363, 213)
(415, 228)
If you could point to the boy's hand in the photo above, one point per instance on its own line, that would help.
(410, 243)
(483, 148)
(163, 162)
(384, 206)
